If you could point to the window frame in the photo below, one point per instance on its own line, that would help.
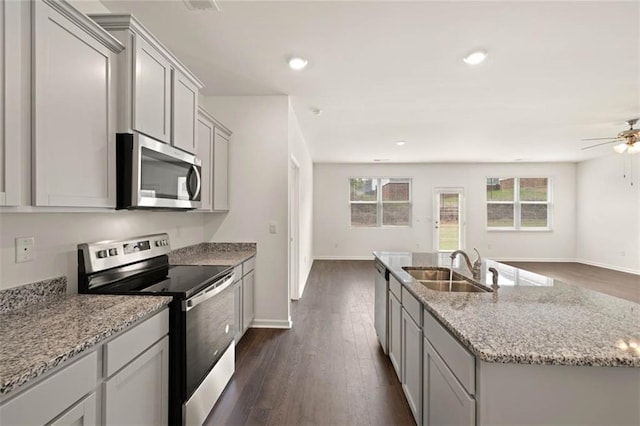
(517, 206)
(379, 202)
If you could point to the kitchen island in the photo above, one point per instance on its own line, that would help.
(536, 351)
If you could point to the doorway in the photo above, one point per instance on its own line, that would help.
(449, 220)
(294, 229)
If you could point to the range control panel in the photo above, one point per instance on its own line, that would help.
(110, 254)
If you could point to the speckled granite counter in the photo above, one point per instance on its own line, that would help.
(42, 335)
(230, 254)
(531, 319)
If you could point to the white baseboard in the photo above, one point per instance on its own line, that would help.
(265, 323)
(607, 266)
(531, 259)
(343, 257)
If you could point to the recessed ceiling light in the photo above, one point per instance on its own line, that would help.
(475, 58)
(316, 111)
(297, 63)
(400, 143)
(378, 160)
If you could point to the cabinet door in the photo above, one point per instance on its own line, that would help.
(184, 113)
(82, 414)
(412, 364)
(204, 151)
(237, 313)
(74, 105)
(247, 300)
(445, 401)
(221, 172)
(151, 92)
(395, 337)
(138, 394)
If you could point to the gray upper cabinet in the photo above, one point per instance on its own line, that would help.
(151, 93)
(12, 98)
(158, 95)
(74, 105)
(213, 149)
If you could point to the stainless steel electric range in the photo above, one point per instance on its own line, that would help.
(201, 325)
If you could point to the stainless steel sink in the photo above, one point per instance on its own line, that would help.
(430, 274)
(456, 286)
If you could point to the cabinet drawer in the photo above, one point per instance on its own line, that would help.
(44, 401)
(248, 266)
(122, 349)
(395, 287)
(238, 273)
(461, 362)
(412, 306)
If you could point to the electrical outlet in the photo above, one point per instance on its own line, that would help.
(489, 246)
(623, 253)
(273, 228)
(417, 246)
(24, 249)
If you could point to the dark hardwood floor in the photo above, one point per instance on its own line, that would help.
(614, 283)
(327, 370)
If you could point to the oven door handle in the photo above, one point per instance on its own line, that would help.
(207, 293)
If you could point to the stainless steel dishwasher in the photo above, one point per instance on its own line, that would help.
(381, 304)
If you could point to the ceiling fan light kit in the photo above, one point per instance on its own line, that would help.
(628, 139)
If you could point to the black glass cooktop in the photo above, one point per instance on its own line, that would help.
(186, 280)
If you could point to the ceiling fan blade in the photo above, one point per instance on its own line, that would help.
(598, 144)
(600, 139)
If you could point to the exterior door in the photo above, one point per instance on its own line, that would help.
(448, 219)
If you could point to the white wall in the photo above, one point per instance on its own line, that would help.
(258, 183)
(89, 6)
(608, 212)
(334, 238)
(58, 234)
(300, 151)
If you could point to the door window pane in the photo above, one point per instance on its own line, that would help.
(500, 189)
(363, 215)
(449, 222)
(533, 189)
(533, 215)
(500, 215)
(395, 214)
(363, 189)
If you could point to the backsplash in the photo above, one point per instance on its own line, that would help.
(40, 291)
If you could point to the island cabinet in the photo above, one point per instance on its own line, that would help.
(123, 381)
(394, 325)
(74, 101)
(158, 95)
(213, 149)
(244, 296)
(411, 352)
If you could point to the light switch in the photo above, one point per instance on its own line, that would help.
(273, 228)
(24, 249)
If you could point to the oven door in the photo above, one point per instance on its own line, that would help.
(210, 329)
(158, 175)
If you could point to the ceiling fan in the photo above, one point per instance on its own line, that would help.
(629, 140)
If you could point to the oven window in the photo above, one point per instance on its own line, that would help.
(165, 177)
(210, 329)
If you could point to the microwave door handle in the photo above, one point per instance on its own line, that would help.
(198, 184)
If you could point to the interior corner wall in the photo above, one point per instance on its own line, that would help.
(57, 236)
(608, 212)
(258, 193)
(334, 237)
(299, 149)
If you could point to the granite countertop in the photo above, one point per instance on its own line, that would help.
(531, 319)
(40, 336)
(231, 254)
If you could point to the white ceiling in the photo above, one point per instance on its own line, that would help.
(381, 72)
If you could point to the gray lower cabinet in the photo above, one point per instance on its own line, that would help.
(244, 296)
(412, 364)
(395, 330)
(121, 382)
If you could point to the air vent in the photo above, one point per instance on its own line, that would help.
(202, 5)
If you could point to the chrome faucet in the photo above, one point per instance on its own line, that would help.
(494, 280)
(475, 268)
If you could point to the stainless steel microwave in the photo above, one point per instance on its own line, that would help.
(154, 175)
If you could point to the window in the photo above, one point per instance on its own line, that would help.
(518, 203)
(377, 202)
